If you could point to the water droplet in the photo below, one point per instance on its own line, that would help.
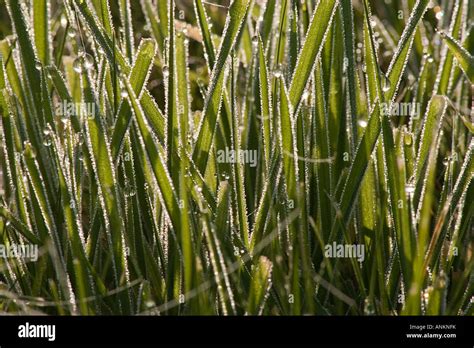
(47, 139)
(80, 139)
(124, 92)
(277, 73)
(428, 58)
(88, 61)
(386, 84)
(166, 71)
(71, 32)
(38, 65)
(408, 138)
(77, 64)
(64, 21)
(128, 190)
(255, 40)
(362, 123)
(368, 307)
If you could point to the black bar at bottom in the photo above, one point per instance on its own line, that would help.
(135, 331)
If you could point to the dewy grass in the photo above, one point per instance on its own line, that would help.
(245, 157)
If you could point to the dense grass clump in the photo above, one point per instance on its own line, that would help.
(263, 157)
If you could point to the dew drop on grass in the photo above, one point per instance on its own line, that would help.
(38, 65)
(428, 58)
(408, 138)
(362, 123)
(71, 33)
(124, 92)
(80, 139)
(386, 84)
(63, 21)
(47, 141)
(77, 65)
(88, 61)
(166, 71)
(128, 190)
(368, 307)
(255, 40)
(277, 73)
(446, 161)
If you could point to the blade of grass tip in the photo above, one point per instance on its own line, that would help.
(19, 226)
(203, 22)
(465, 60)
(6, 50)
(236, 18)
(60, 84)
(138, 78)
(41, 22)
(115, 58)
(468, 44)
(260, 286)
(399, 60)
(320, 23)
(102, 8)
